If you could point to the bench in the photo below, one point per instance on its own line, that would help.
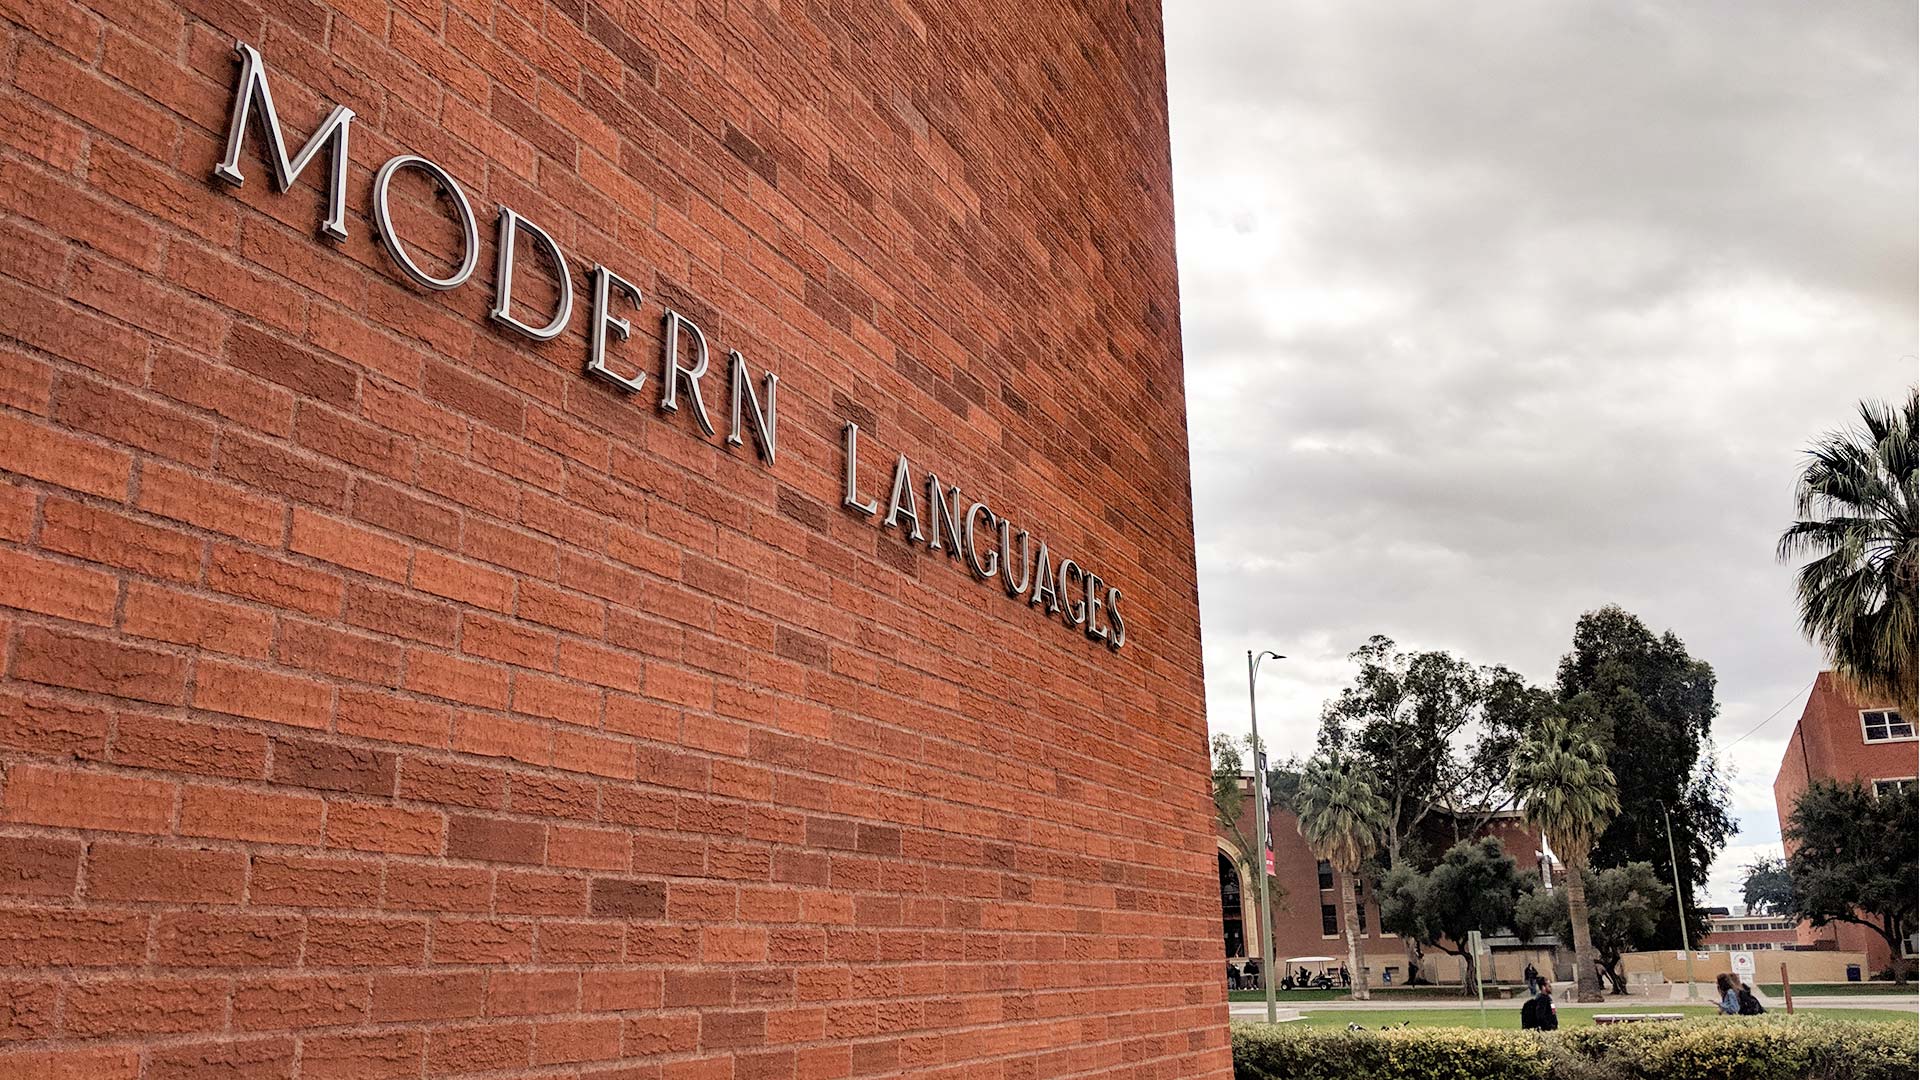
(1634, 1017)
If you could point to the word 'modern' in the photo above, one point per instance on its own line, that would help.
(1081, 598)
(336, 131)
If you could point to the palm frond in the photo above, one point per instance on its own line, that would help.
(1857, 499)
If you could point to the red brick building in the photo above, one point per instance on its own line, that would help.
(1306, 911)
(1841, 738)
(427, 655)
(1748, 933)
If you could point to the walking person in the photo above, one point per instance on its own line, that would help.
(1533, 980)
(1346, 978)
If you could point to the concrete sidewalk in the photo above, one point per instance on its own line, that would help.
(1671, 995)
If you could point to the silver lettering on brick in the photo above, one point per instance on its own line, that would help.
(990, 565)
(942, 504)
(1118, 636)
(336, 129)
(746, 403)
(851, 498)
(901, 501)
(601, 319)
(511, 224)
(1078, 595)
(674, 375)
(1072, 607)
(1043, 589)
(1096, 599)
(449, 189)
(1006, 558)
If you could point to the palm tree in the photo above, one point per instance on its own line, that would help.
(1856, 501)
(1561, 777)
(1343, 820)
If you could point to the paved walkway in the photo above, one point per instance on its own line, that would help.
(1670, 995)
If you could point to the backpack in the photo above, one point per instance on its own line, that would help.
(1750, 1005)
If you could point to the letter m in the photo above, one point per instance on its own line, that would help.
(336, 128)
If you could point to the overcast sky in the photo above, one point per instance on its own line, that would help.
(1498, 312)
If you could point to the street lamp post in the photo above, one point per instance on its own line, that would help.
(1262, 832)
(1680, 905)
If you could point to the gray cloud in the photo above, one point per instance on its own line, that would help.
(1495, 313)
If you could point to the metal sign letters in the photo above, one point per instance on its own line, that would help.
(1079, 597)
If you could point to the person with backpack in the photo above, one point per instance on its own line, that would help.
(1749, 1001)
(1538, 1014)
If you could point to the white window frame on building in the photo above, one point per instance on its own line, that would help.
(1889, 721)
(1884, 784)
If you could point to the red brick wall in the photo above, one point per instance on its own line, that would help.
(383, 697)
(1829, 744)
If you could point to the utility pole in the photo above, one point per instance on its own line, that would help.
(1680, 905)
(1261, 832)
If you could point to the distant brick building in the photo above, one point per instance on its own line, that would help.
(1749, 933)
(1307, 915)
(1840, 737)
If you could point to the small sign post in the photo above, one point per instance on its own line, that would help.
(1474, 948)
(1786, 987)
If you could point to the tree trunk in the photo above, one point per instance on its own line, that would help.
(1350, 919)
(1586, 982)
(1616, 978)
(1897, 961)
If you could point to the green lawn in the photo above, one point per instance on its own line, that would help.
(1843, 989)
(1508, 1015)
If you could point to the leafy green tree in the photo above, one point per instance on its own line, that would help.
(1283, 782)
(1650, 705)
(1472, 887)
(1623, 906)
(1233, 812)
(1343, 820)
(1768, 889)
(1435, 732)
(1856, 500)
(1852, 855)
(1569, 794)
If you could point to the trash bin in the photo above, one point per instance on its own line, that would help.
(1853, 972)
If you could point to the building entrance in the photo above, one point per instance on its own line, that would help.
(1232, 928)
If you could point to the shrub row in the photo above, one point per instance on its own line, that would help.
(1771, 1048)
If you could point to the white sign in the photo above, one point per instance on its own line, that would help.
(1743, 965)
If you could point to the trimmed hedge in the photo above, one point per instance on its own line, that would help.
(1710, 1048)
